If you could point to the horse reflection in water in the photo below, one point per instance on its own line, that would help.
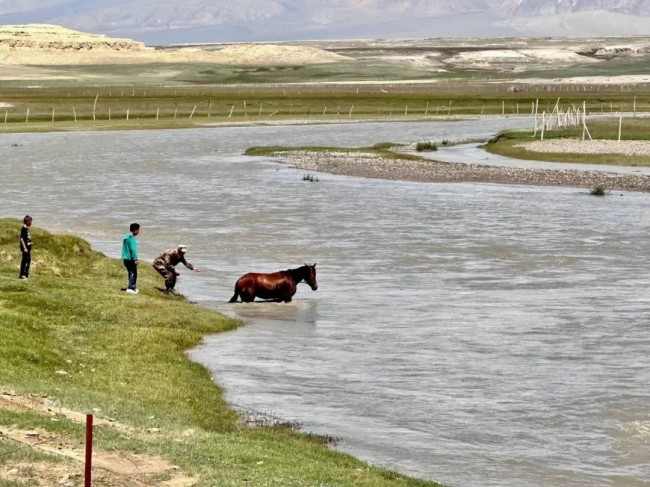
(276, 286)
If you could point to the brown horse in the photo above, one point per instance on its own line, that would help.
(276, 286)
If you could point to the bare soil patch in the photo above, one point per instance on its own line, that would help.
(114, 468)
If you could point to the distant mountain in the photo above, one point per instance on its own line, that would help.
(167, 21)
(528, 8)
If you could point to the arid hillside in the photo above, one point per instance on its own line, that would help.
(41, 44)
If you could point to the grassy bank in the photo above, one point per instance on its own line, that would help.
(510, 143)
(384, 150)
(71, 339)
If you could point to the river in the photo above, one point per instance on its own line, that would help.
(475, 334)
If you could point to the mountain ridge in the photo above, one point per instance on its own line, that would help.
(165, 22)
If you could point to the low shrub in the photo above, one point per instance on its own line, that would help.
(426, 146)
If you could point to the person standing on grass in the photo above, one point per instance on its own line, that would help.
(165, 262)
(130, 256)
(25, 248)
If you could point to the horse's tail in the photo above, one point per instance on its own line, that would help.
(234, 297)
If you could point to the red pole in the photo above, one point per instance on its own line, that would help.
(89, 449)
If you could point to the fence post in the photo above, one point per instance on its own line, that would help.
(89, 450)
(95, 106)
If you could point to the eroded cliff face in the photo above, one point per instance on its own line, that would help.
(44, 37)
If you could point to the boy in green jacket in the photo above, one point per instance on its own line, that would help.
(130, 257)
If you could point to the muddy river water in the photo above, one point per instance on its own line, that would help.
(474, 334)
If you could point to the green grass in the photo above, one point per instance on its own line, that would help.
(125, 355)
(381, 149)
(88, 106)
(509, 143)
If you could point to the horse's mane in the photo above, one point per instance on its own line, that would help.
(298, 273)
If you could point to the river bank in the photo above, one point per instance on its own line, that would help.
(371, 165)
(72, 344)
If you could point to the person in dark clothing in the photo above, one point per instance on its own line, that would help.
(130, 256)
(25, 248)
(165, 262)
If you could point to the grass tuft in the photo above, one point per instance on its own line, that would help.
(598, 191)
(426, 146)
(310, 177)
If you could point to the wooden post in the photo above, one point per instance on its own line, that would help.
(350, 114)
(209, 107)
(231, 110)
(27, 116)
(95, 106)
(406, 110)
(52, 115)
(6, 113)
(175, 113)
(127, 113)
(260, 112)
(503, 107)
(75, 114)
(192, 114)
(157, 113)
(543, 125)
(324, 110)
(89, 451)
(620, 127)
(245, 110)
(109, 113)
(426, 110)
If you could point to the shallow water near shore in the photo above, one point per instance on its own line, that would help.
(473, 334)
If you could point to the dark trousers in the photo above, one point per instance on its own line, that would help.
(168, 272)
(25, 263)
(132, 269)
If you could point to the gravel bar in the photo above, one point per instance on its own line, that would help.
(369, 165)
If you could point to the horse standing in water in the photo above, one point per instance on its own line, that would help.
(276, 286)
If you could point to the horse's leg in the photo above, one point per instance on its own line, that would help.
(247, 294)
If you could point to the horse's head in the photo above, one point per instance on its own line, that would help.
(310, 276)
